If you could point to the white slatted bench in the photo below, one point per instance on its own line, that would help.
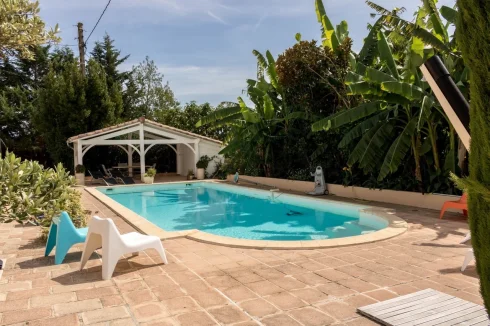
(429, 308)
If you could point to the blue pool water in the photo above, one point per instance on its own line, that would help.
(243, 212)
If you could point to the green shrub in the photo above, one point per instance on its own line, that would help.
(79, 169)
(31, 193)
(204, 162)
(151, 172)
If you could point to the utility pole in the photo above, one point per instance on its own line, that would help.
(81, 48)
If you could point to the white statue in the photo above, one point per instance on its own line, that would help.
(319, 182)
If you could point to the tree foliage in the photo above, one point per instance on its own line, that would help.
(474, 40)
(21, 28)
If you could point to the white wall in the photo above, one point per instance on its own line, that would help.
(210, 149)
(186, 161)
(416, 199)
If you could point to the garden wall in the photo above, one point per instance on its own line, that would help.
(431, 201)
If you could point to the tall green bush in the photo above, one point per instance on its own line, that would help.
(474, 40)
(31, 193)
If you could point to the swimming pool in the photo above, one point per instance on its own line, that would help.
(245, 213)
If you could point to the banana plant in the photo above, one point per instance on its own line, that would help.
(255, 128)
(388, 124)
(332, 37)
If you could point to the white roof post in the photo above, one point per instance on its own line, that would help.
(79, 152)
(142, 148)
(196, 155)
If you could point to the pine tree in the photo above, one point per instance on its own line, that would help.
(474, 39)
(110, 59)
(70, 104)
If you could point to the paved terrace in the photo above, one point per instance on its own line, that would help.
(211, 285)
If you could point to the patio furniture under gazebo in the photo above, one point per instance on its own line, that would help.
(140, 135)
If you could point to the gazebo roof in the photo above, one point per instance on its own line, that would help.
(138, 121)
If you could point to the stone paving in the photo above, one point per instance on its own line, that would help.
(214, 285)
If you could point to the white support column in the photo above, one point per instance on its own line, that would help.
(179, 159)
(79, 152)
(142, 151)
(75, 153)
(196, 155)
(130, 158)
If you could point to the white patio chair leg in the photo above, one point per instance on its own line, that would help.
(161, 251)
(109, 262)
(466, 237)
(93, 242)
(467, 259)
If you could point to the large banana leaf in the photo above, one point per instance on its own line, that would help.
(380, 10)
(360, 129)
(386, 56)
(450, 160)
(232, 120)
(398, 150)
(425, 111)
(347, 116)
(377, 76)
(320, 10)
(435, 19)
(371, 145)
(370, 48)
(219, 115)
(342, 31)
(260, 59)
(330, 39)
(363, 88)
(268, 108)
(449, 14)
(409, 29)
(329, 36)
(352, 77)
(409, 91)
(271, 70)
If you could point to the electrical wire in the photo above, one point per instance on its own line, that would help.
(93, 29)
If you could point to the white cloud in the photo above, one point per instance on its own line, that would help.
(205, 83)
(215, 17)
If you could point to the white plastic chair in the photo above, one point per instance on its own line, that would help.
(103, 233)
(468, 258)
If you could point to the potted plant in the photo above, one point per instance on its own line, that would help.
(202, 165)
(80, 174)
(149, 176)
(190, 175)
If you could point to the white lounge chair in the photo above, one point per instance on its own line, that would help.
(469, 254)
(103, 233)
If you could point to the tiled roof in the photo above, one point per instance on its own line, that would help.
(136, 122)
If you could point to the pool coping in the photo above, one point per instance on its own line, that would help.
(396, 226)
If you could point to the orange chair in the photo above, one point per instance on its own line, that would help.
(458, 204)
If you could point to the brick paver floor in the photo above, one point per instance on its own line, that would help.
(208, 284)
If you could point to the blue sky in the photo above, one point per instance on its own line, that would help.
(204, 47)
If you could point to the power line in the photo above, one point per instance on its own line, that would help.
(93, 29)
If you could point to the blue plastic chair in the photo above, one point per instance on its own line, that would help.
(63, 234)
